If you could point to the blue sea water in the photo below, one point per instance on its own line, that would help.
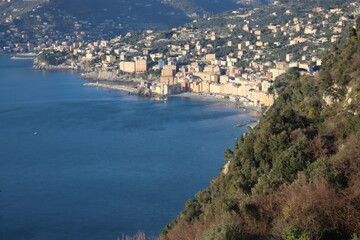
(79, 162)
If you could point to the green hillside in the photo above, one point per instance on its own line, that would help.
(163, 14)
(18, 8)
(295, 176)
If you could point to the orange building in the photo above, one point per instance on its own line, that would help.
(167, 76)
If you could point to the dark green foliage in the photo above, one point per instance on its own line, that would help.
(223, 231)
(203, 197)
(192, 210)
(289, 162)
(283, 80)
(53, 57)
(352, 34)
(295, 176)
(338, 67)
(292, 233)
(228, 155)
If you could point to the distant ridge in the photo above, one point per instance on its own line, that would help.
(132, 15)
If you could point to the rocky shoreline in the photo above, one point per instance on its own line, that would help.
(208, 97)
(198, 96)
(53, 67)
(137, 85)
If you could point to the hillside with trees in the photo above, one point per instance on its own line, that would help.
(296, 175)
(131, 15)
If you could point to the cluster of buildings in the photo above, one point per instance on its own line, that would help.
(211, 79)
(40, 29)
(238, 60)
(137, 65)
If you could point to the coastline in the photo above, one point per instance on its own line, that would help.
(140, 86)
(102, 79)
(196, 96)
(99, 119)
(209, 97)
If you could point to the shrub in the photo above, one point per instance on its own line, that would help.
(292, 233)
(223, 231)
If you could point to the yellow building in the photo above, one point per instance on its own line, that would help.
(215, 88)
(205, 87)
(267, 100)
(212, 69)
(229, 89)
(265, 85)
(207, 76)
(257, 32)
(167, 80)
(224, 79)
(195, 87)
(110, 58)
(244, 90)
(167, 72)
(260, 97)
(127, 66)
(161, 89)
(282, 66)
(210, 57)
(276, 72)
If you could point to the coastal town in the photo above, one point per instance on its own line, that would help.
(236, 55)
(180, 119)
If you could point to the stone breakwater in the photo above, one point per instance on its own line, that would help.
(110, 76)
(132, 90)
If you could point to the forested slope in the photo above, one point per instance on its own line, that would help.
(296, 174)
(160, 13)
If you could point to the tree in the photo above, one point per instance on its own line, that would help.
(357, 24)
(352, 34)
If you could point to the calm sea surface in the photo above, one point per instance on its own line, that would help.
(78, 162)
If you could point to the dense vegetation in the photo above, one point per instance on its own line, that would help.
(295, 176)
(52, 57)
(118, 17)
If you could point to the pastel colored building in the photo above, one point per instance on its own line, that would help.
(127, 66)
(141, 65)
